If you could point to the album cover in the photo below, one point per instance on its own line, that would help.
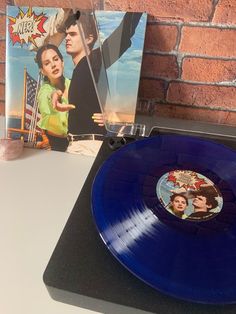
(63, 68)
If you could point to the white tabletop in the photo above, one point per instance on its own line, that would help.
(37, 194)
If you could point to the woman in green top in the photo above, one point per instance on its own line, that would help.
(53, 122)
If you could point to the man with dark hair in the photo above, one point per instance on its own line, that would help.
(82, 93)
(203, 202)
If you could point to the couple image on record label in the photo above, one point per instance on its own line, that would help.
(189, 195)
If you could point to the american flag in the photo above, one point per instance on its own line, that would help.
(32, 115)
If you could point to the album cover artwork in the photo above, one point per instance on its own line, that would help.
(52, 99)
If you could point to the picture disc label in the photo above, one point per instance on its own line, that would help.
(189, 195)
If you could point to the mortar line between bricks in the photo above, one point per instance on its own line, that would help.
(197, 107)
(179, 34)
(187, 55)
(166, 87)
(170, 80)
(211, 25)
(165, 23)
(194, 24)
(214, 3)
(179, 57)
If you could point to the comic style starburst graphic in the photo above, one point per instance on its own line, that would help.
(26, 27)
(186, 179)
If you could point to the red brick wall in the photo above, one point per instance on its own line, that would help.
(189, 64)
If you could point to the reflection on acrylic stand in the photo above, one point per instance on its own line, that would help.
(115, 80)
(9, 148)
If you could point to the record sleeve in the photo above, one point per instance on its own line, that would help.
(55, 104)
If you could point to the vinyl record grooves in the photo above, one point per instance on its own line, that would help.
(165, 207)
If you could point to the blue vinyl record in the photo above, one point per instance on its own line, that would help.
(165, 207)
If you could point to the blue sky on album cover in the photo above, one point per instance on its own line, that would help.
(123, 75)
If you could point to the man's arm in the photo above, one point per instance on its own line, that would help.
(54, 29)
(120, 40)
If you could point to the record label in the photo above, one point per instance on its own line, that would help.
(189, 195)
